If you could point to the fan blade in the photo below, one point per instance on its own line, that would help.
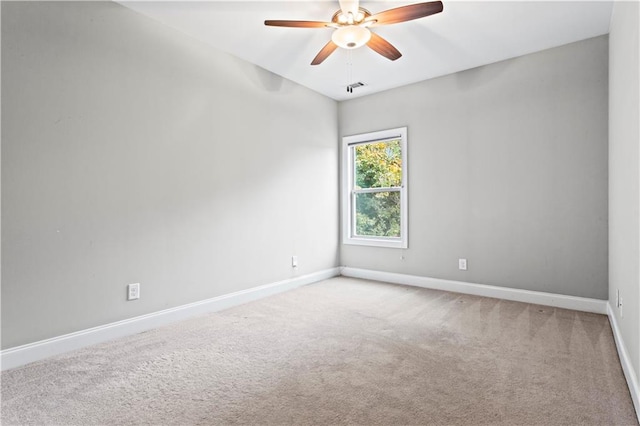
(324, 53)
(349, 6)
(383, 47)
(407, 13)
(297, 24)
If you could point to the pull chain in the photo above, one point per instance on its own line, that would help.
(349, 70)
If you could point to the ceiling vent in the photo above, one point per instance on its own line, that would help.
(354, 86)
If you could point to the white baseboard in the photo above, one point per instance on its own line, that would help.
(20, 355)
(536, 297)
(625, 361)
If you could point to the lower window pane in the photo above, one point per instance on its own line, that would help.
(378, 214)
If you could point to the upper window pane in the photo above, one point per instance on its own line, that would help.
(378, 165)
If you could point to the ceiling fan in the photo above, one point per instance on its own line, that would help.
(351, 25)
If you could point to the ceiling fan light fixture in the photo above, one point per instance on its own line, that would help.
(351, 37)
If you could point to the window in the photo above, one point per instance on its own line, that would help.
(374, 188)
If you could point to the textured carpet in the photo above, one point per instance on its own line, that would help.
(343, 351)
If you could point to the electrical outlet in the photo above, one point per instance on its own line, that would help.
(133, 291)
(619, 302)
(462, 264)
(294, 261)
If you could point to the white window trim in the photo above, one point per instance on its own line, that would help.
(347, 186)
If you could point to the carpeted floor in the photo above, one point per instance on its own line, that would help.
(342, 351)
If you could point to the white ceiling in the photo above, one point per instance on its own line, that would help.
(465, 35)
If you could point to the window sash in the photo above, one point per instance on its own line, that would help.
(354, 218)
(373, 190)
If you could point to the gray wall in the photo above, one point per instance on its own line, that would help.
(507, 168)
(132, 153)
(624, 173)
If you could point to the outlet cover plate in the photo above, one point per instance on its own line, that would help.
(133, 291)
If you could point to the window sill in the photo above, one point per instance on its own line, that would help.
(375, 242)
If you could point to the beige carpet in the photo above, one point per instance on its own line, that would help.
(343, 351)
